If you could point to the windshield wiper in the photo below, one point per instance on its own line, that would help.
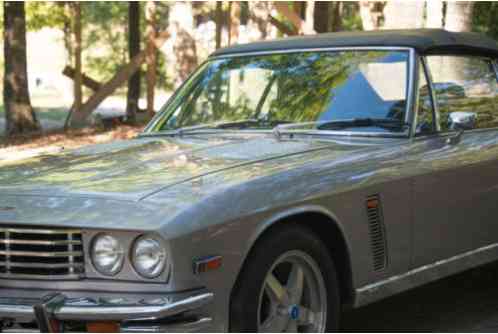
(384, 123)
(242, 124)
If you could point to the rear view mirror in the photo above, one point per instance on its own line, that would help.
(462, 120)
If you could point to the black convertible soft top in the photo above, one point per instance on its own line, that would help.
(425, 41)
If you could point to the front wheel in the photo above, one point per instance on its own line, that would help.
(288, 284)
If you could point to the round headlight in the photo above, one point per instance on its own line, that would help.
(107, 254)
(149, 257)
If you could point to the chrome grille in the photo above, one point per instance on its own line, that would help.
(41, 253)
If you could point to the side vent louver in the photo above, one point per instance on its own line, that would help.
(377, 232)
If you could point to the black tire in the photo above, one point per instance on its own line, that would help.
(245, 297)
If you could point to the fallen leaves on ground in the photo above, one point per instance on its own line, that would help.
(26, 146)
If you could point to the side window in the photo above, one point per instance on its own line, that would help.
(425, 115)
(465, 84)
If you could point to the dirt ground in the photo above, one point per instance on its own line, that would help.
(54, 141)
(467, 302)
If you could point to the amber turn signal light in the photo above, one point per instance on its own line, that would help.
(207, 264)
(102, 327)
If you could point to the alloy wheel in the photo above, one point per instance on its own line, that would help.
(293, 297)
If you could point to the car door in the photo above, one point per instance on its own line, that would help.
(455, 187)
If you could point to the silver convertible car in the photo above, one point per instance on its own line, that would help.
(282, 183)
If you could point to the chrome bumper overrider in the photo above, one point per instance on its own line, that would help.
(130, 313)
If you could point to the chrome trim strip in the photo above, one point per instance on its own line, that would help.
(41, 254)
(41, 277)
(70, 249)
(37, 231)
(132, 312)
(309, 132)
(432, 92)
(20, 330)
(40, 242)
(199, 325)
(22, 309)
(7, 250)
(425, 274)
(40, 265)
(341, 48)
(20, 312)
(411, 102)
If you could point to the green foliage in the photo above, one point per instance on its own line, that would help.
(45, 14)
(485, 18)
(351, 19)
(105, 39)
(105, 42)
(104, 35)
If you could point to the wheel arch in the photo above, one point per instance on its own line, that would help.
(327, 227)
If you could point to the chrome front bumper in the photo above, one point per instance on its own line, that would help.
(132, 313)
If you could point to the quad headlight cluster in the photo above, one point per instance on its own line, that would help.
(147, 255)
(107, 254)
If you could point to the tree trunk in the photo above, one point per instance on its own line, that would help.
(20, 117)
(86, 81)
(219, 22)
(67, 29)
(123, 74)
(233, 21)
(299, 7)
(259, 14)
(151, 58)
(434, 12)
(459, 15)
(78, 95)
(133, 50)
(337, 12)
(321, 20)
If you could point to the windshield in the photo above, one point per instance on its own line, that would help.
(266, 90)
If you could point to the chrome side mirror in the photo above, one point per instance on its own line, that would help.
(462, 120)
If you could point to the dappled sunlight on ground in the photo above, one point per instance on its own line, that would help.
(22, 147)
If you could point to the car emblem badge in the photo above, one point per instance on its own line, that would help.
(294, 312)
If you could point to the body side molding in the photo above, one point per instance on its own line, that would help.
(425, 274)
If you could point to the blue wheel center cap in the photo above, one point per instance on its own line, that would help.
(294, 312)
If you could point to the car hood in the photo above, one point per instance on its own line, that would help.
(134, 169)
